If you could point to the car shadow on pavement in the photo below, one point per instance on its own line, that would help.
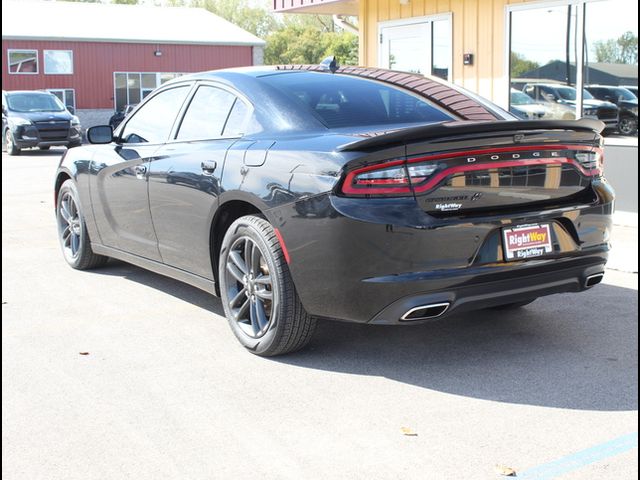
(576, 351)
(175, 288)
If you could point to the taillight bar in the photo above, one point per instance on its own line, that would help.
(418, 174)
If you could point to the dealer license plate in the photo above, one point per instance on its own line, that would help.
(527, 241)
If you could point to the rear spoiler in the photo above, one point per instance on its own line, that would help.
(448, 129)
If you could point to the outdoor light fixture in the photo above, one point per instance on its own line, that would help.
(157, 53)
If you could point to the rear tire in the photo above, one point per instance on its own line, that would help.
(12, 148)
(258, 295)
(514, 305)
(72, 230)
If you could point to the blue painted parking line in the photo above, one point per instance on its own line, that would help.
(580, 459)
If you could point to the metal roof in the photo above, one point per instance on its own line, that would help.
(622, 70)
(97, 22)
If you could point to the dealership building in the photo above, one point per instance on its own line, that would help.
(484, 45)
(99, 57)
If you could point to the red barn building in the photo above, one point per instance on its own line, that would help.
(99, 57)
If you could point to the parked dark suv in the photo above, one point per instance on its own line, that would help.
(626, 101)
(563, 99)
(37, 119)
(117, 118)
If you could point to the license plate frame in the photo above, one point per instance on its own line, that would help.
(523, 242)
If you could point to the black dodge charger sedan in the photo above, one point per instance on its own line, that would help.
(297, 193)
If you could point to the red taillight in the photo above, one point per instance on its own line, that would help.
(388, 178)
(419, 174)
(391, 178)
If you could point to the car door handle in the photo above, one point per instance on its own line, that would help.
(208, 167)
(140, 170)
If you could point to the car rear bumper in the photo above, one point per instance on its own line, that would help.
(490, 288)
(372, 260)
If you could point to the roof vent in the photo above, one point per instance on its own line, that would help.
(330, 63)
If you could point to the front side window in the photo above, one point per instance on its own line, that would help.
(34, 102)
(153, 121)
(23, 61)
(519, 98)
(207, 114)
(58, 62)
(342, 101)
(624, 94)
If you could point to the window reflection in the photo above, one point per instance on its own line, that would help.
(441, 48)
(611, 59)
(544, 67)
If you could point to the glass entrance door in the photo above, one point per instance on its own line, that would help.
(417, 46)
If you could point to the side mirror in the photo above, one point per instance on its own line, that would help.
(71, 110)
(100, 135)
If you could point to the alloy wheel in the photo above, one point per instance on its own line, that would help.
(69, 225)
(249, 288)
(627, 126)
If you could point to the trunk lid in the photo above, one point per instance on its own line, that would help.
(471, 168)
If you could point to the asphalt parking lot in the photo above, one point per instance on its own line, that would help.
(165, 391)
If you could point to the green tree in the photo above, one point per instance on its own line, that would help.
(520, 65)
(621, 50)
(290, 38)
(255, 19)
(308, 45)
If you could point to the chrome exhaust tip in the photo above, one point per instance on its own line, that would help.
(593, 280)
(425, 312)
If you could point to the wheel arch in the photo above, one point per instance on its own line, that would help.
(227, 213)
(61, 177)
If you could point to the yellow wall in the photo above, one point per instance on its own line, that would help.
(478, 28)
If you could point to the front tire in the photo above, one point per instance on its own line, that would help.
(12, 148)
(628, 125)
(72, 230)
(258, 295)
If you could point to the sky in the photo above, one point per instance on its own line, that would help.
(540, 34)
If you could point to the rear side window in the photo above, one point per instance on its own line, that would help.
(237, 120)
(342, 101)
(207, 114)
(153, 121)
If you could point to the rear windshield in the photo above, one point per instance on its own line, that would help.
(342, 101)
(34, 102)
